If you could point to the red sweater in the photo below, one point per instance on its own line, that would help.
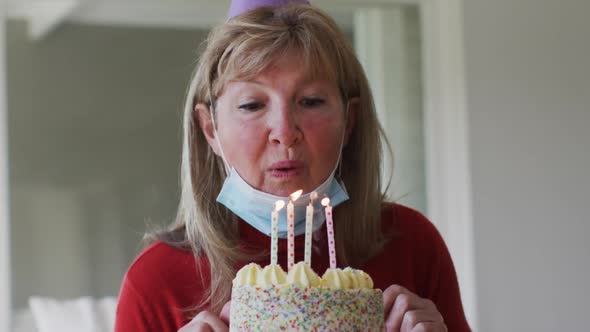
(163, 280)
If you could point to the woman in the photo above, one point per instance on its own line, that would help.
(279, 103)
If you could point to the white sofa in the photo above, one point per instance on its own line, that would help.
(51, 315)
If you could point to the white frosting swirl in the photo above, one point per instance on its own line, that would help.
(247, 275)
(302, 275)
(273, 275)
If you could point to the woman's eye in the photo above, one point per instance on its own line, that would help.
(250, 107)
(312, 102)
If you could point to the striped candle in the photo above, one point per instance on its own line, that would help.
(291, 229)
(274, 241)
(290, 235)
(330, 229)
(309, 228)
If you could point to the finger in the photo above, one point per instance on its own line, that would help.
(404, 302)
(225, 313)
(414, 317)
(200, 327)
(196, 325)
(389, 296)
(207, 321)
(430, 327)
(216, 323)
(396, 315)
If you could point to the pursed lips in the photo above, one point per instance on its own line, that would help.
(286, 168)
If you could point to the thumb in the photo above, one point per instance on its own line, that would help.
(224, 315)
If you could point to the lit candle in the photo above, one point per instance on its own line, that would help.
(274, 241)
(291, 228)
(309, 227)
(330, 228)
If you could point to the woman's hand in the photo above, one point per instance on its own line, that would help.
(206, 321)
(407, 312)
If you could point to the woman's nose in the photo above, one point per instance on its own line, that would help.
(284, 126)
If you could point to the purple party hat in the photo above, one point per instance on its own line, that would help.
(241, 6)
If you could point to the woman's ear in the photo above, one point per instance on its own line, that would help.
(353, 106)
(203, 116)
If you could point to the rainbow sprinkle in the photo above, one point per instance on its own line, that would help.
(292, 308)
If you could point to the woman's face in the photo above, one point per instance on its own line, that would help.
(281, 131)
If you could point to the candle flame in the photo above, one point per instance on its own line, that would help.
(325, 201)
(279, 205)
(294, 196)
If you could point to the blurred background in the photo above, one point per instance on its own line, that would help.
(91, 126)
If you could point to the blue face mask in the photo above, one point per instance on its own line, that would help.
(255, 207)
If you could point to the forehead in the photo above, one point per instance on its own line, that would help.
(287, 71)
(289, 67)
(280, 83)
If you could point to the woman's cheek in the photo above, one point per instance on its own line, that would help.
(325, 132)
(245, 142)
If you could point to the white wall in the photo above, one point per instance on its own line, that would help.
(94, 133)
(528, 80)
(4, 224)
(387, 41)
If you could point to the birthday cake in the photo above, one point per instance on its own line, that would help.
(271, 300)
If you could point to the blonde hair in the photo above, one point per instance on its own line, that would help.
(240, 49)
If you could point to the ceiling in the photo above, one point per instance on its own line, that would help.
(45, 15)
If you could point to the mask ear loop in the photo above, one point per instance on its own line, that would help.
(339, 164)
(212, 114)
